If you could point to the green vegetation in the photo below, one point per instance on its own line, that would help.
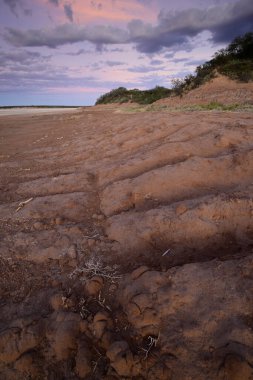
(122, 95)
(235, 61)
(212, 106)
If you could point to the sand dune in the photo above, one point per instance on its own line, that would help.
(220, 89)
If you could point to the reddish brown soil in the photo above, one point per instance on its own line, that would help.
(126, 245)
(221, 89)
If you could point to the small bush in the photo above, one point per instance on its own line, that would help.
(241, 70)
(235, 61)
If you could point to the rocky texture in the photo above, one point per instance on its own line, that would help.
(194, 225)
(198, 314)
(171, 183)
(190, 321)
(126, 245)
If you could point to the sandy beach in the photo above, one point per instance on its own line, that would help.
(33, 111)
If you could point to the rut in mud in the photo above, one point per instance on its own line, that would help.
(126, 245)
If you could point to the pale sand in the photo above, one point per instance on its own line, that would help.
(33, 111)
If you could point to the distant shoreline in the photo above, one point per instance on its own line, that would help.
(34, 110)
(42, 106)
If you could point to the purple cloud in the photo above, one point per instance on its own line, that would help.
(173, 29)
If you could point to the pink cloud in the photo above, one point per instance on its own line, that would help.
(118, 11)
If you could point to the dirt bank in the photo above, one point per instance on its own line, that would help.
(221, 89)
(126, 245)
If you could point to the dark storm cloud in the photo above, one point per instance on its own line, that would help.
(223, 21)
(229, 30)
(68, 12)
(174, 30)
(149, 39)
(66, 34)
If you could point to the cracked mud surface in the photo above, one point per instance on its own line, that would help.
(126, 245)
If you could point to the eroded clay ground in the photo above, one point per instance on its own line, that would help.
(126, 245)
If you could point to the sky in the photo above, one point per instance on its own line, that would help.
(69, 52)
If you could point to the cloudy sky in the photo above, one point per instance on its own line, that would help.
(71, 51)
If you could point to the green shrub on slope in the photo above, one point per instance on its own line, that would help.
(235, 61)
